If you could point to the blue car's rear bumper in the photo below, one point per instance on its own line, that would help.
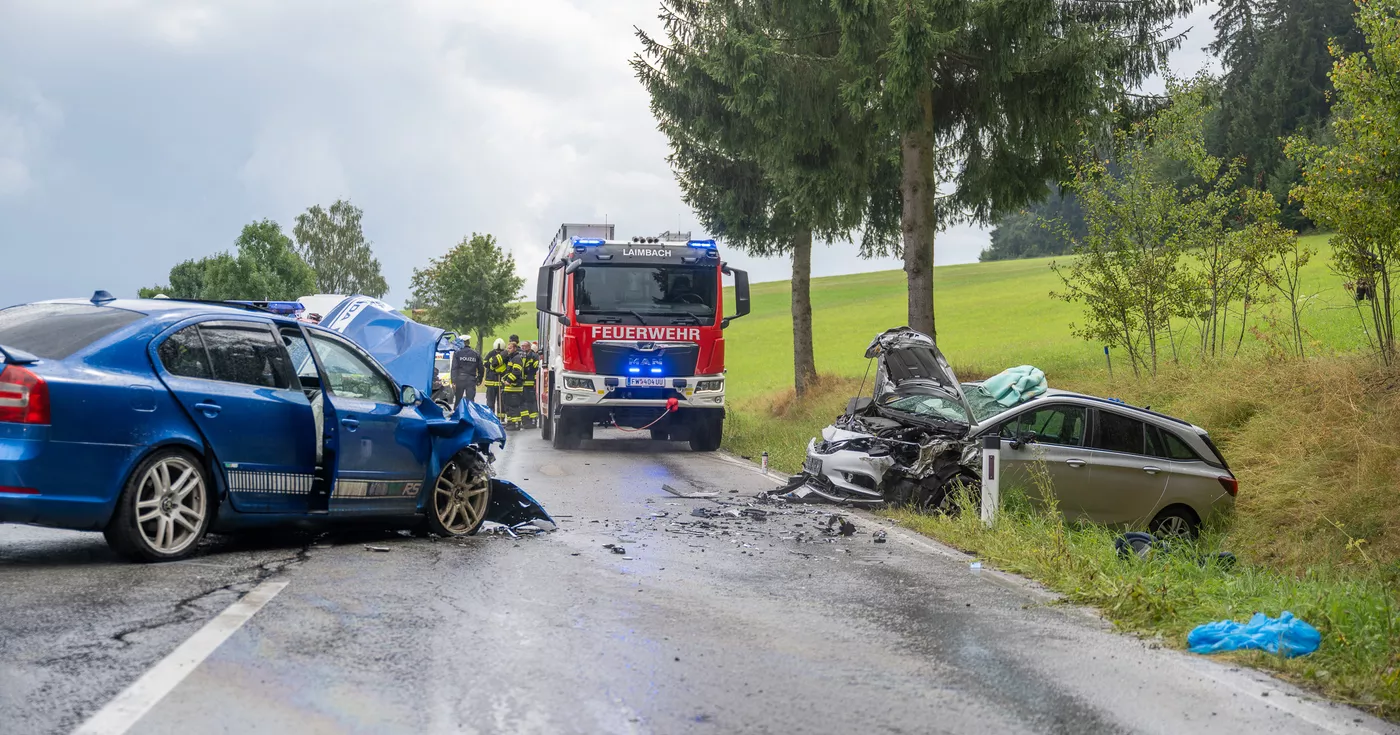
(61, 484)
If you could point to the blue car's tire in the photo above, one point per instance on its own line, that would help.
(460, 495)
(164, 509)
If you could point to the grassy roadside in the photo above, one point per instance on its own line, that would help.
(1169, 593)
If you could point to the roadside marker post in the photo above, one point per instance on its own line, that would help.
(991, 490)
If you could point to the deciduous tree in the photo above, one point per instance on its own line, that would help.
(471, 289)
(333, 243)
(1352, 184)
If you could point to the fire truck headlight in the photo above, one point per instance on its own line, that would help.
(578, 383)
(709, 386)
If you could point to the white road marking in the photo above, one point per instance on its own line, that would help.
(138, 699)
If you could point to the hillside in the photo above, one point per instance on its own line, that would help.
(990, 316)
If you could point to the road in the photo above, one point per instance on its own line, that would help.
(704, 625)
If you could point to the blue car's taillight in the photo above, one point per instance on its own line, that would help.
(24, 397)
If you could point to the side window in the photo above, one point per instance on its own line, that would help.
(1117, 433)
(183, 354)
(248, 355)
(1063, 425)
(300, 353)
(1178, 449)
(1008, 430)
(349, 374)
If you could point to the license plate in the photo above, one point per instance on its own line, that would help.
(647, 382)
(813, 466)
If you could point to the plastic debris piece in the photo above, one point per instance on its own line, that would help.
(384, 549)
(975, 567)
(1285, 635)
(680, 494)
(618, 550)
(837, 524)
(879, 537)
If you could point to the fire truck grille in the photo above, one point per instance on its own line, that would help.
(665, 362)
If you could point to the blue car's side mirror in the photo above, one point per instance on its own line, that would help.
(408, 395)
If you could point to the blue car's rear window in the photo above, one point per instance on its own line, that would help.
(55, 331)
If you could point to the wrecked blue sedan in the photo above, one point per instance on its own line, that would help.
(158, 421)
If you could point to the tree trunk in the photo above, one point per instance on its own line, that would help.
(920, 191)
(804, 363)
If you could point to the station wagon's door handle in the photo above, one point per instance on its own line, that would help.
(350, 424)
(1151, 470)
(208, 408)
(1075, 462)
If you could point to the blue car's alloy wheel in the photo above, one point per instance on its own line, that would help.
(164, 510)
(460, 496)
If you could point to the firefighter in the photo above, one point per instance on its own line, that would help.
(513, 384)
(495, 365)
(531, 408)
(467, 371)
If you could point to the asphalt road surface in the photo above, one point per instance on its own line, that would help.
(704, 625)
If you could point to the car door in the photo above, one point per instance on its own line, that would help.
(236, 382)
(1127, 483)
(383, 447)
(1054, 459)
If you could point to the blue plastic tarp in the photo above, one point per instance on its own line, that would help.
(1285, 635)
(404, 347)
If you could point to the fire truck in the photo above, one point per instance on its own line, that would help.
(631, 335)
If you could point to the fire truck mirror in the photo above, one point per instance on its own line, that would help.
(542, 290)
(573, 266)
(741, 297)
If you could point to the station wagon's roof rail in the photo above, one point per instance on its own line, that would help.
(1116, 402)
(231, 304)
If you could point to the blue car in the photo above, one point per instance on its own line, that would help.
(157, 421)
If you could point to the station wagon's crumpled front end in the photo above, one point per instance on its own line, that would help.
(408, 349)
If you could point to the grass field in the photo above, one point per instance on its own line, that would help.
(1313, 442)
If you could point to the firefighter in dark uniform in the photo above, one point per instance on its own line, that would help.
(513, 384)
(531, 409)
(495, 367)
(467, 371)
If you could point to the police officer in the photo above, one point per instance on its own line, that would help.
(513, 384)
(531, 409)
(495, 364)
(467, 371)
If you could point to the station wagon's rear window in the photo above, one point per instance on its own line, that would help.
(55, 331)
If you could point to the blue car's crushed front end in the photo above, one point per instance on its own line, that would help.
(407, 350)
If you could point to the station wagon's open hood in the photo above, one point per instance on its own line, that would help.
(403, 346)
(909, 361)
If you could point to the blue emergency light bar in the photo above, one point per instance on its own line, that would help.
(589, 241)
(710, 244)
(285, 308)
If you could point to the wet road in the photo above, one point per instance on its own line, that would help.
(704, 625)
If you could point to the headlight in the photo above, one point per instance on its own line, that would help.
(578, 383)
(709, 385)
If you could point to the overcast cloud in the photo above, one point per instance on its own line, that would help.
(138, 133)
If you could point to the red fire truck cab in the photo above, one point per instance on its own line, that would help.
(632, 333)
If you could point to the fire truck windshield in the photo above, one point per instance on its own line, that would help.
(604, 293)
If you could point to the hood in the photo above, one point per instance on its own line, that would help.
(909, 362)
(404, 347)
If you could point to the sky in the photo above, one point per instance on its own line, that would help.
(138, 133)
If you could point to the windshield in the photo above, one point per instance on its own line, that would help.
(983, 405)
(929, 406)
(617, 292)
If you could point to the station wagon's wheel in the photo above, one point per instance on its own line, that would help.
(164, 509)
(1175, 523)
(461, 492)
(948, 491)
